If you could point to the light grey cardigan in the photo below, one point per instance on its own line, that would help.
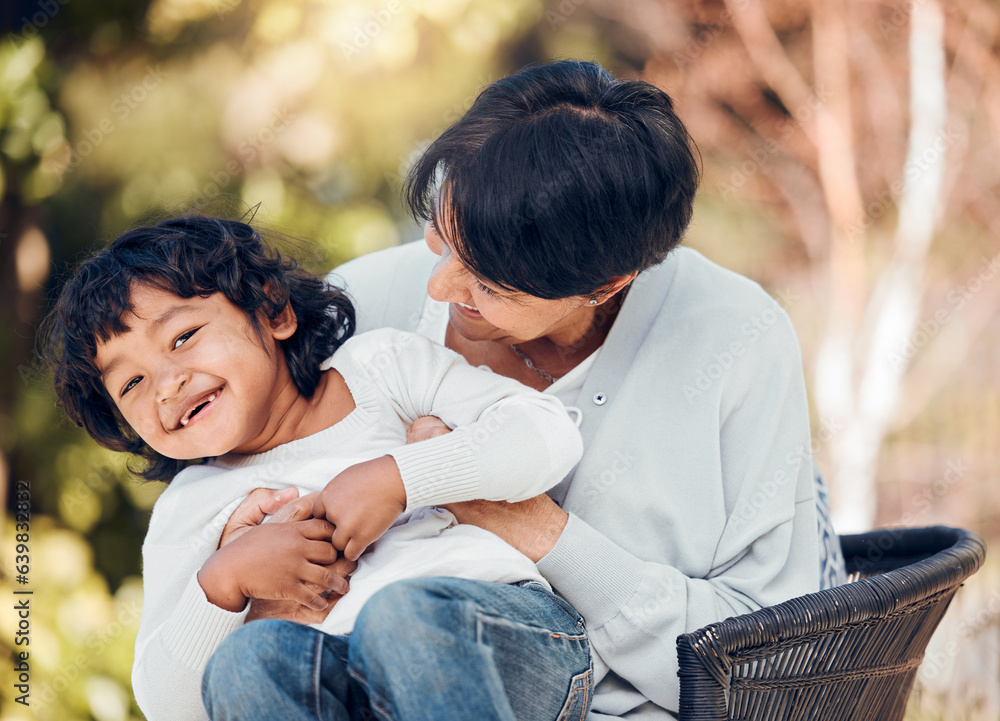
(695, 497)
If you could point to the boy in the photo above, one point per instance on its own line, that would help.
(192, 340)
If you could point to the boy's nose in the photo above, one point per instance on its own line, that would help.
(171, 381)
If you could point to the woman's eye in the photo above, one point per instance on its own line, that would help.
(131, 384)
(183, 338)
(486, 289)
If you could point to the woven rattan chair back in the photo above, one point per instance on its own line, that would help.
(843, 654)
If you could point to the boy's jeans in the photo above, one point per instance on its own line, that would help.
(428, 648)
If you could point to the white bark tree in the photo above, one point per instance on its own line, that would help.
(835, 113)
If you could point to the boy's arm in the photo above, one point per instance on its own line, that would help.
(180, 627)
(510, 442)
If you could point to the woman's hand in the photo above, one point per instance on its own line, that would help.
(425, 428)
(261, 502)
(532, 526)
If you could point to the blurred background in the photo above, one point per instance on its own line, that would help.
(850, 161)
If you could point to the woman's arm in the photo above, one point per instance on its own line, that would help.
(753, 546)
(705, 546)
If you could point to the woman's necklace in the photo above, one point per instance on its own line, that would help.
(548, 378)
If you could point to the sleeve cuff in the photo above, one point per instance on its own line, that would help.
(439, 470)
(197, 626)
(596, 575)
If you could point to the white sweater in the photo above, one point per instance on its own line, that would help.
(695, 498)
(509, 443)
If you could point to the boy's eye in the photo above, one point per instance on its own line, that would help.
(183, 337)
(131, 384)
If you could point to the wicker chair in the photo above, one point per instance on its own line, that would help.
(845, 653)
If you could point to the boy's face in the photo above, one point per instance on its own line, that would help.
(192, 378)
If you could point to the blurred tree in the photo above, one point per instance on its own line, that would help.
(857, 126)
(29, 131)
(115, 113)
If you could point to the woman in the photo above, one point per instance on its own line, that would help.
(550, 256)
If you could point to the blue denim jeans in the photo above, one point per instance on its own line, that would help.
(427, 648)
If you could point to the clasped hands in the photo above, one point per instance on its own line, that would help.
(293, 570)
(309, 549)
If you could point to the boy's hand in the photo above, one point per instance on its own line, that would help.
(274, 561)
(362, 502)
(294, 611)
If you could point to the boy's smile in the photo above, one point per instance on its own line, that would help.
(194, 379)
(199, 408)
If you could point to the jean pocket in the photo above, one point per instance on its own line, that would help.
(578, 700)
(557, 599)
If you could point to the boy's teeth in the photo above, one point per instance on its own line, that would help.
(197, 408)
(468, 306)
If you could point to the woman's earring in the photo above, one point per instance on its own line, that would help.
(593, 301)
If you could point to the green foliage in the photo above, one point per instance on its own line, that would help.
(31, 132)
(114, 114)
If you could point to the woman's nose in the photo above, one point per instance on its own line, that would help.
(446, 282)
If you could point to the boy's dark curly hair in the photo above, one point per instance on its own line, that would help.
(186, 256)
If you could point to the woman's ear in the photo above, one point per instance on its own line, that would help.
(613, 287)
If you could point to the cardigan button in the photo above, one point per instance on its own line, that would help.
(600, 399)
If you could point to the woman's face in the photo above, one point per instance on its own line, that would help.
(481, 311)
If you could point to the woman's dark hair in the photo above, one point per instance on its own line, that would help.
(559, 178)
(190, 256)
